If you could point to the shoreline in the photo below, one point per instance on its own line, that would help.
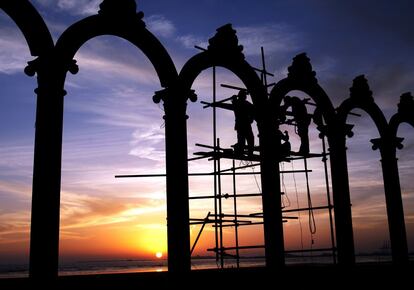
(377, 274)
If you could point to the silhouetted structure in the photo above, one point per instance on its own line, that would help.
(120, 18)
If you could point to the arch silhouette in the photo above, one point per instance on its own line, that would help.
(118, 18)
(43, 252)
(224, 51)
(404, 114)
(131, 29)
(31, 24)
(361, 97)
(302, 78)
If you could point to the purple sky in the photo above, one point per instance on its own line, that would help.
(113, 127)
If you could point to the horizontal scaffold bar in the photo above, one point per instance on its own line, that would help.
(207, 173)
(226, 196)
(259, 214)
(262, 246)
(310, 250)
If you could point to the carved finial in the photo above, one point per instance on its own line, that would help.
(301, 69)
(225, 40)
(360, 90)
(32, 67)
(119, 8)
(406, 105)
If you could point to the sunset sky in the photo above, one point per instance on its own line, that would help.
(112, 127)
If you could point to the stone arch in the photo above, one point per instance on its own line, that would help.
(225, 51)
(361, 97)
(125, 24)
(40, 44)
(404, 114)
(118, 18)
(301, 77)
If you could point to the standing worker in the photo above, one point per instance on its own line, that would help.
(302, 118)
(244, 117)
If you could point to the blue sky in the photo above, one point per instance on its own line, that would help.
(112, 126)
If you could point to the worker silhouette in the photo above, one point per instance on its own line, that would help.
(285, 144)
(302, 120)
(244, 117)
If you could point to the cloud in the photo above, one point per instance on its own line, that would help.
(189, 40)
(161, 26)
(14, 52)
(16, 159)
(106, 67)
(14, 227)
(74, 7)
(275, 38)
(82, 210)
(148, 142)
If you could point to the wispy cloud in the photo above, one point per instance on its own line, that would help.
(275, 38)
(14, 52)
(106, 67)
(189, 40)
(160, 26)
(74, 7)
(14, 227)
(81, 210)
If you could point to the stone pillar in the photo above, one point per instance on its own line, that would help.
(271, 196)
(341, 198)
(395, 210)
(44, 234)
(179, 260)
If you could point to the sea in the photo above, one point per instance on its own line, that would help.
(136, 266)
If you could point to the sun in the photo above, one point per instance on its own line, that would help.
(158, 255)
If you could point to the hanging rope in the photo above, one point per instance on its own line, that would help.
(257, 183)
(285, 195)
(297, 203)
(312, 223)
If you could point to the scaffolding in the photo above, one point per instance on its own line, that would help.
(221, 220)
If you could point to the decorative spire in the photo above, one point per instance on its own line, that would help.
(225, 42)
(360, 90)
(119, 8)
(406, 105)
(301, 69)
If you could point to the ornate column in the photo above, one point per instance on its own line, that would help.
(340, 193)
(389, 162)
(336, 131)
(179, 260)
(44, 234)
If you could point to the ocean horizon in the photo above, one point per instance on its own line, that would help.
(95, 267)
